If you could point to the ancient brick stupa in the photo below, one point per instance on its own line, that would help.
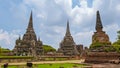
(68, 46)
(29, 45)
(100, 39)
(100, 44)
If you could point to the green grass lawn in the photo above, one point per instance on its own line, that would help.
(54, 65)
(15, 57)
(58, 65)
(11, 67)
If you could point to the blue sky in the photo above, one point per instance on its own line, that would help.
(50, 17)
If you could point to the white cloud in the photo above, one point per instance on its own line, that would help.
(84, 38)
(56, 11)
(82, 14)
(41, 16)
(4, 36)
(51, 17)
(59, 30)
(97, 4)
(112, 27)
(7, 40)
(112, 31)
(118, 8)
(65, 4)
(83, 3)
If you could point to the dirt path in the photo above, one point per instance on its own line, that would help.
(0, 65)
(42, 62)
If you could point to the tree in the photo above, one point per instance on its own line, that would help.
(48, 48)
(118, 32)
(116, 44)
(3, 51)
(0, 50)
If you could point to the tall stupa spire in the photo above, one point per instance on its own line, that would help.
(30, 25)
(30, 34)
(99, 25)
(19, 37)
(68, 30)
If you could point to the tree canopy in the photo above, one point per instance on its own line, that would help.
(116, 44)
(48, 48)
(118, 32)
(3, 51)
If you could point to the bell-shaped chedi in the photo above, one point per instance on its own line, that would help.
(100, 38)
(67, 45)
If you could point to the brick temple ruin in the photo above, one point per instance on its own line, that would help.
(99, 37)
(29, 45)
(67, 45)
(97, 53)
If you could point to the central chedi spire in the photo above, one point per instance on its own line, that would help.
(30, 34)
(29, 45)
(68, 30)
(30, 25)
(99, 25)
(100, 38)
(68, 46)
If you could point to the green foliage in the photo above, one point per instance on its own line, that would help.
(48, 48)
(3, 51)
(103, 46)
(110, 49)
(97, 45)
(116, 44)
(118, 32)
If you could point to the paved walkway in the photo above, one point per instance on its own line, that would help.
(42, 62)
(0, 65)
(106, 65)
